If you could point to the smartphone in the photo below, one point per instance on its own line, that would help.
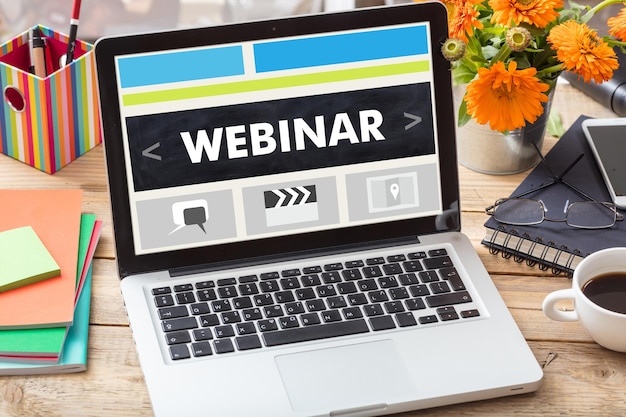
(607, 139)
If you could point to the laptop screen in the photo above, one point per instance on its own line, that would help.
(282, 136)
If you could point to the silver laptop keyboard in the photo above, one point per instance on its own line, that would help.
(312, 303)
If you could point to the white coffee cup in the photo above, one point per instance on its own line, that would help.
(606, 327)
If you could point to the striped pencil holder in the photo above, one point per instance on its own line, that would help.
(47, 122)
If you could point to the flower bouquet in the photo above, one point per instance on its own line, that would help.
(509, 53)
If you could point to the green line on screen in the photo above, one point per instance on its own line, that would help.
(273, 83)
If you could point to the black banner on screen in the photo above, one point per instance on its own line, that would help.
(272, 137)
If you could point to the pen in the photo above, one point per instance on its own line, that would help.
(37, 53)
(71, 45)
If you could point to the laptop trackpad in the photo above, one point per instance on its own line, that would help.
(361, 375)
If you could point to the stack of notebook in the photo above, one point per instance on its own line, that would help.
(45, 292)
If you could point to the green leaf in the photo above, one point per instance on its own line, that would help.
(463, 116)
(555, 126)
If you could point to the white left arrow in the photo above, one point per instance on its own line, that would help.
(147, 152)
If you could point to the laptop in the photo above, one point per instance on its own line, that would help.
(285, 208)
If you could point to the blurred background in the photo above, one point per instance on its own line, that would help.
(110, 17)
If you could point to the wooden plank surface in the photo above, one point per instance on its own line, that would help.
(581, 378)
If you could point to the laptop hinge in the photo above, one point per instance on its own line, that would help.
(263, 260)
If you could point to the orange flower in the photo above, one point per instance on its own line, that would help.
(463, 18)
(506, 99)
(533, 12)
(617, 25)
(582, 51)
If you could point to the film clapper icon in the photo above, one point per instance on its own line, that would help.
(291, 205)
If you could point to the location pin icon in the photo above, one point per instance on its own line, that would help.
(395, 189)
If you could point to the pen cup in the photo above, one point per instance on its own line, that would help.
(48, 121)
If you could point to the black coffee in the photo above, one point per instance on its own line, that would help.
(608, 291)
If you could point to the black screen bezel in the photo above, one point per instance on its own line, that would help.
(107, 49)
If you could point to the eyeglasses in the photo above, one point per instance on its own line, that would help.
(581, 215)
(589, 214)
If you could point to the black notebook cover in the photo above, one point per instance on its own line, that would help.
(556, 245)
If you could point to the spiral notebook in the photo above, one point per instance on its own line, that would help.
(554, 245)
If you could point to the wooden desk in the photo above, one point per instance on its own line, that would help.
(581, 378)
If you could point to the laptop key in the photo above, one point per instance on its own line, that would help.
(315, 332)
(161, 290)
(416, 255)
(200, 308)
(201, 349)
(437, 252)
(175, 338)
(373, 310)
(398, 293)
(372, 271)
(351, 313)
(439, 287)
(242, 302)
(406, 319)
(248, 342)
(453, 278)
(173, 312)
(179, 352)
(267, 325)
(354, 264)
(224, 331)
(269, 286)
(415, 304)
(332, 277)
(439, 262)
(447, 313)
(428, 319)
(448, 299)
(357, 299)
(164, 300)
(346, 288)
(245, 328)
(204, 285)
(310, 280)
(330, 316)
(379, 260)
(223, 346)
(209, 320)
(428, 276)
(470, 313)
(333, 267)
(226, 281)
(202, 334)
(185, 323)
(294, 308)
(288, 322)
(312, 269)
(206, 294)
(270, 275)
(309, 319)
(412, 265)
(351, 274)
(382, 323)
(252, 314)
(183, 287)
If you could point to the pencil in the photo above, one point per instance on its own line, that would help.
(71, 45)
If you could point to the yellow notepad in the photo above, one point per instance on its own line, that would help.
(24, 259)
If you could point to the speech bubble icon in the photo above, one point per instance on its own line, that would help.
(195, 215)
(186, 213)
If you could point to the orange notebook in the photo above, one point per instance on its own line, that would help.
(55, 217)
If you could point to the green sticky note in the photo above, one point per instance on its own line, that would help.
(24, 259)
